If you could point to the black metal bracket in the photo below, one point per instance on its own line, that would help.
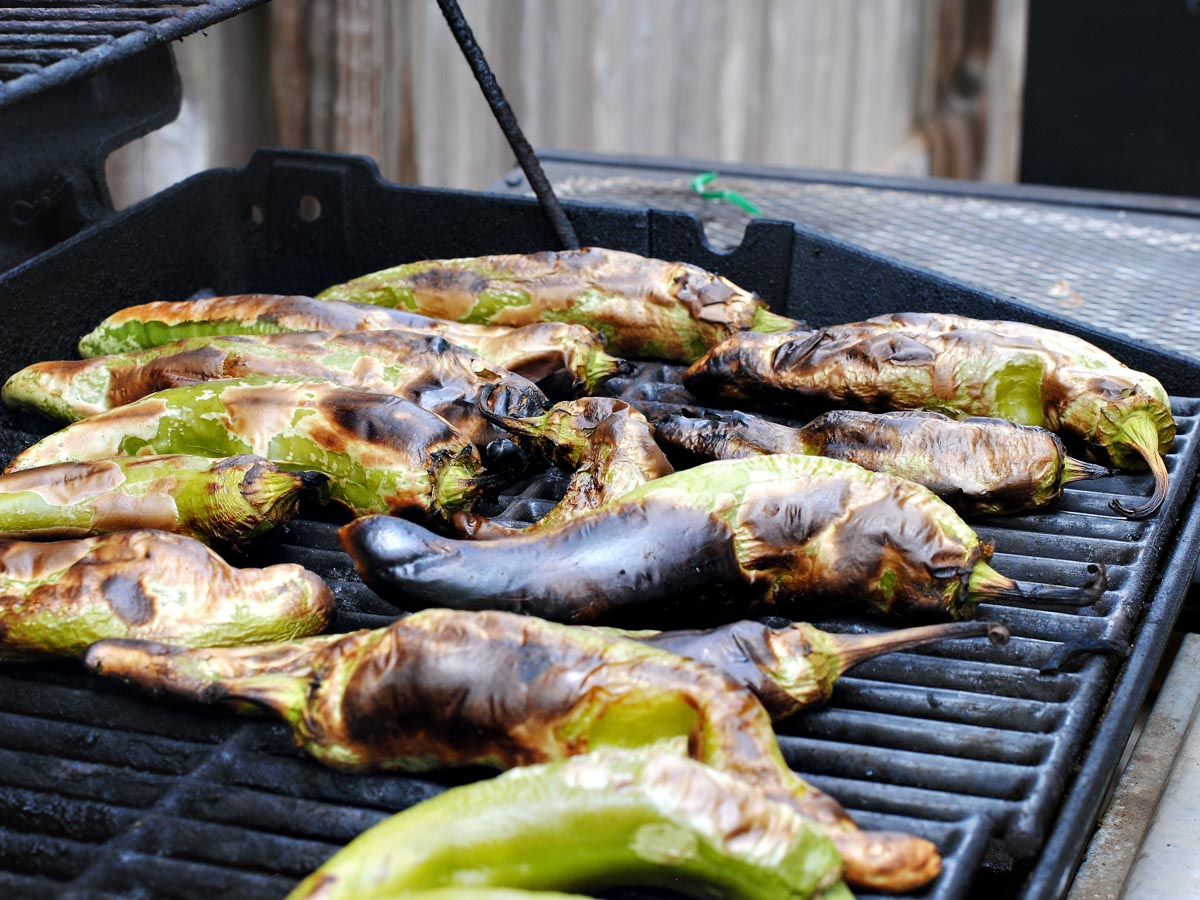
(54, 146)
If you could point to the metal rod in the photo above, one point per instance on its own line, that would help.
(507, 120)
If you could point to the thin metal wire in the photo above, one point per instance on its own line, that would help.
(507, 120)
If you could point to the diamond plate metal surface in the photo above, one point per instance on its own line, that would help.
(1139, 269)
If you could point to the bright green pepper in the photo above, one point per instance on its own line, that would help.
(382, 453)
(57, 598)
(436, 375)
(645, 308)
(443, 688)
(229, 500)
(606, 819)
(535, 351)
(962, 367)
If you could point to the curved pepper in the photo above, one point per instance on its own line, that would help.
(645, 308)
(607, 443)
(227, 500)
(382, 454)
(59, 597)
(979, 466)
(438, 376)
(535, 351)
(781, 532)
(444, 688)
(606, 819)
(960, 366)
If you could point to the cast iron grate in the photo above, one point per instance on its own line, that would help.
(50, 42)
(102, 793)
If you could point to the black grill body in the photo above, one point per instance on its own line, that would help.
(103, 793)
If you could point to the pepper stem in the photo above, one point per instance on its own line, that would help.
(1078, 470)
(851, 649)
(1141, 435)
(987, 582)
(599, 367)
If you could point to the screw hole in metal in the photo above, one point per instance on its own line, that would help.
(310, 208)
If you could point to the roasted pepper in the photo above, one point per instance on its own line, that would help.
(979, 466)
(382, 454)
(229, 500)
(644, 308)
(959, 366)
(535, 351)
(795, 667)
(607, 443)
(56, 598)
(608, 819)
(443, 688)
(436, 375)
(782, 532)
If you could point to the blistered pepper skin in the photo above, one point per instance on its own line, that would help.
(980, 466)
(535, 351)
(773, 533)
(645, 308)
(436, 375)
(443, 688)
(57, 598)
(608, 445)
(959, 366)
(227, 501)
(607, 819)
(381, 453)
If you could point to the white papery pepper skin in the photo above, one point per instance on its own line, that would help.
(962, 367)
(645, 308)
(59, 597)
(381, 453)
(444, 688)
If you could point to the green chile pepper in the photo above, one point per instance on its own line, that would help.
(436, 375)
(645, 308)
(795, 667)
(959, 366)
(535, 351)
(229, 500)
(979, 466)
(382, 454)
(774, 533)
(443, 688)
(606, 442)
(607, 819)
(57, 598)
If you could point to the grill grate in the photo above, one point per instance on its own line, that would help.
(104, 793)
(55, 41)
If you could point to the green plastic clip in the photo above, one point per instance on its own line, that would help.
(701, 180)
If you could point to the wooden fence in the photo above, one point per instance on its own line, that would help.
(893, 86)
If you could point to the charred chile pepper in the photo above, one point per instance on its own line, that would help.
(535, 351)
(382, 454)
(645, 308)
(229, 500)
(960, 366)
(606, 442)
(59, 597)
(796, 667)
(443, 688)
(782, 532)
(979, 466)
(436, 375)
(610, 818)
